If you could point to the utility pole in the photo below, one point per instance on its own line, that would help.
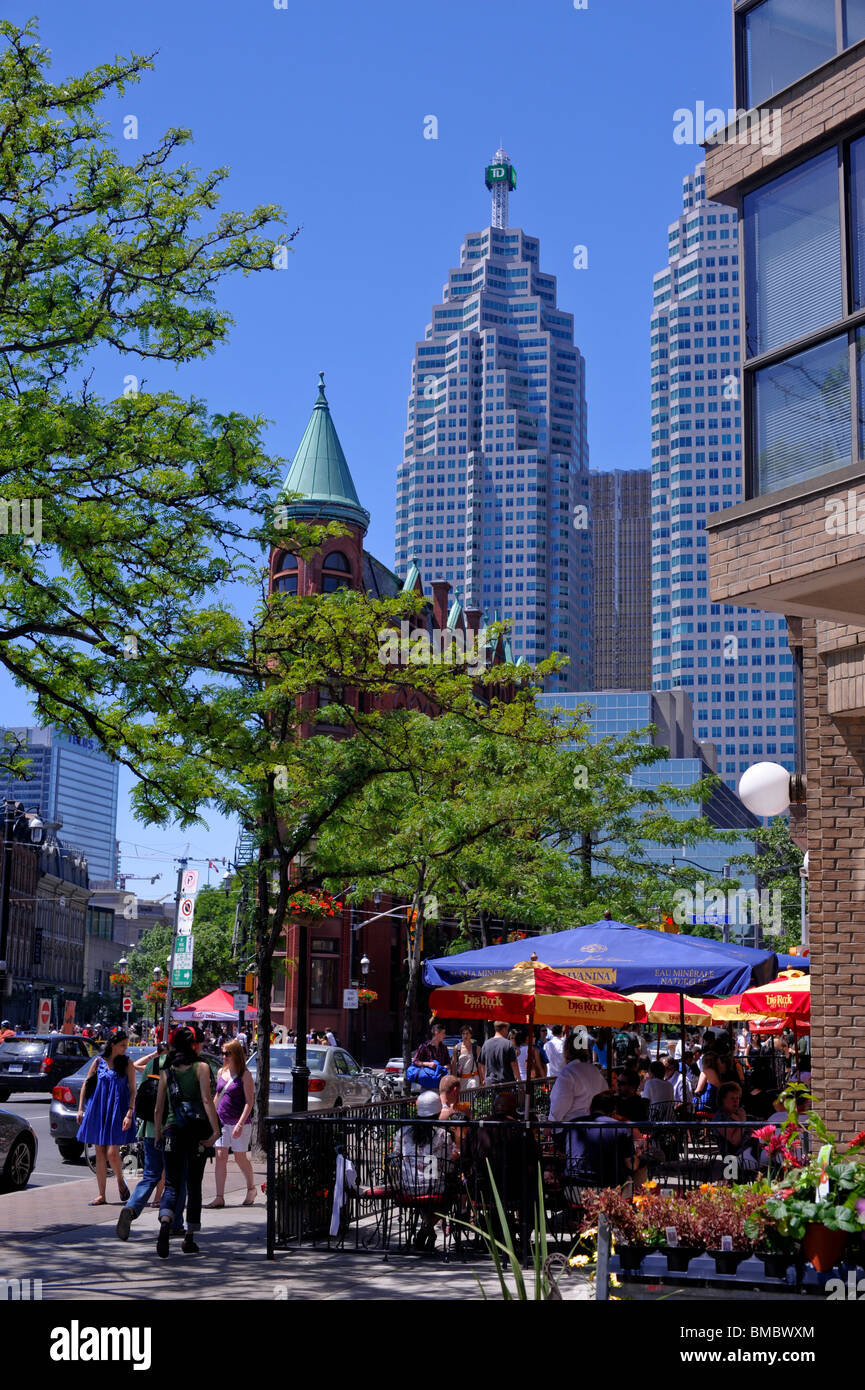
(166, 1017)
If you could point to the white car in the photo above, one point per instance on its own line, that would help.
(18, 1148)
(335, 1079)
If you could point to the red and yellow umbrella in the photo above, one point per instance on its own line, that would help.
(533, 993)
(664, 1008)
(788, 997)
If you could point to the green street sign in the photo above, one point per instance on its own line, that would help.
(181, 979)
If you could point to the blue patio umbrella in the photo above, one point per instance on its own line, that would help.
(621, 958)
(786, 962)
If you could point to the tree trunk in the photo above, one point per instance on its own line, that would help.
(264, 964)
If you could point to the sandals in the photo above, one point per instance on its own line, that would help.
(250, 1197)
(216, 1204)
(98, 1202)
(125, 1194)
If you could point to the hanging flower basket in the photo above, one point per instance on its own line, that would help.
(317, 905)
(366, 996)
(119, 980)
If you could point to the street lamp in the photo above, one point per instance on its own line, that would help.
(157, 976)
(768, 789)
(803, 879)
(364, 970)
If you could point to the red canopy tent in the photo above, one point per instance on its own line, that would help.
(216, 1007)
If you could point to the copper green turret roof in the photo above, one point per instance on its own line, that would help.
(319, 483)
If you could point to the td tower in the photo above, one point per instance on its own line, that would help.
(493, 489)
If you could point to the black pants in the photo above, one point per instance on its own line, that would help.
(182, 1160)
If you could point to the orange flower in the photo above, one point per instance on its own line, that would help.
(651, 1185)
(707, 1187)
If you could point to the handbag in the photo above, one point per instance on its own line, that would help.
(189, 1115)
(427, 1075)
(145, 1099)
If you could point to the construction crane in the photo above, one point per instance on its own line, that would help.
(122, 879)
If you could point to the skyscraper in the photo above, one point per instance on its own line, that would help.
(70, 781)
(733, 661)
(493, 489)
(622, 559)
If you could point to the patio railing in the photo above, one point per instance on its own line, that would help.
(392, 1183)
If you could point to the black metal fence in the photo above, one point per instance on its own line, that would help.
(392, 1182)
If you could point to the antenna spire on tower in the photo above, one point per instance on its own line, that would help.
(501, 177)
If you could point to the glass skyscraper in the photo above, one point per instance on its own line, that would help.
(72, 781)
(493, 489)
(733, 661)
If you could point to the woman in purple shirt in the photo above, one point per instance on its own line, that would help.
(235, 1095)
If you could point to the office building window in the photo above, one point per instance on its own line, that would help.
(802, 408)
(793, 255)
(785, 39)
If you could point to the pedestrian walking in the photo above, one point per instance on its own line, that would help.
(107, 1120)
(154, 1157)
(191, 1124)
(235, 1097)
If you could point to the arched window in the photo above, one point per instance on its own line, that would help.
(286, 582)
(336, 572)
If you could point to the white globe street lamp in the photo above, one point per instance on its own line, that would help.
(767, 789)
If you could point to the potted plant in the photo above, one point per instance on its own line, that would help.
(633, 1221)
(681, 1217)
(776, 1249)
(721, 1214)
(820, 1202)
(313, 905)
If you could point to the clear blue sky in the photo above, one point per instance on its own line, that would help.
(321, 107)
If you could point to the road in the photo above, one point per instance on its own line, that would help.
(50, 1167)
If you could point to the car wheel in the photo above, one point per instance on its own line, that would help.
(337, 1104)
(70, 1149)
(4, 1093)
(19, 1164)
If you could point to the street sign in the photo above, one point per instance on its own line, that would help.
(181, 979)
(187, 910)
(127, 1004)
(241, 1002)
(183, 948)
(44, 1016)
(184, 928)
(190, 881)
(349, 999)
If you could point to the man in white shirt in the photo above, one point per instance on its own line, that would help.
(657, 1090)
(673, 1074)
(555, 1050)
(573, 1090)
(332, 1042)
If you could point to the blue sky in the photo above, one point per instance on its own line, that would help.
(321, 107)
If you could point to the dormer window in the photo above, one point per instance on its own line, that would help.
(336, 572)
(285, 580)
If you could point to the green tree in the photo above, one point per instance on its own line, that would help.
(121, 515)
(775, 865)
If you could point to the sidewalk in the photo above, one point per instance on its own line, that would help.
(52, 1234)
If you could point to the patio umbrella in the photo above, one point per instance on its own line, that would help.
(531, 992)
(788, 997)
(217, 1007)
(616, 956)
(675, 1010)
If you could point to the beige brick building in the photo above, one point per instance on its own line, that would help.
(796, 545)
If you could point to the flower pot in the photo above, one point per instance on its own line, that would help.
(630, 1257)
(775, 1265)
(680, 1256)
(727, 1261)
(823, 1248)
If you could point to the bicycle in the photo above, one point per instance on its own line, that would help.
(131, 1159)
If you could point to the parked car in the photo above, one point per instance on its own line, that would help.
(335, 1079)
(18, 1148)
(63, 1111)
(36, 1062)
(395, 1069)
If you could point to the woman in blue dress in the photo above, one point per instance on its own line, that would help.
(107, 1121)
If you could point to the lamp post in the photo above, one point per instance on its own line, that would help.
(803, 879)
(364, 970)
(123, 962)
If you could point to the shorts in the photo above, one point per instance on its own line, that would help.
(227, 1141)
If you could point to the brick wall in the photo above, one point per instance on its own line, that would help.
(835, 763)
(818, 106)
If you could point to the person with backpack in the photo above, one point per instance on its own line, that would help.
(154, 1159)
(431, 1061)
(191, 1123)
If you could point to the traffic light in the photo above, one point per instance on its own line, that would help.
(249, 983)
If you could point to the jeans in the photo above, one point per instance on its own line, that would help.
(153, 1165)
(184, 1172)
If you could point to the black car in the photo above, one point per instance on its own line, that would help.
(37, 1062)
